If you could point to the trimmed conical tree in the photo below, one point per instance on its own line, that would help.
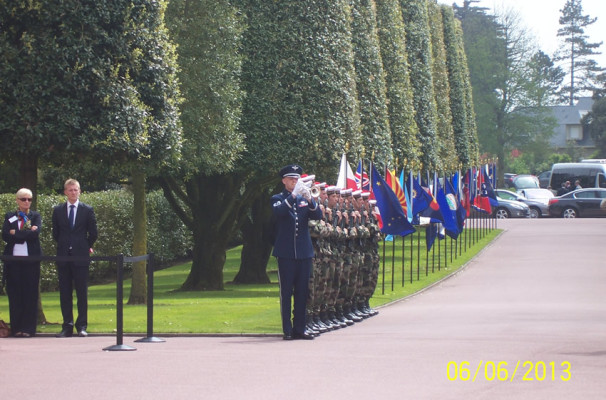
(301, 103)
(370, 83)
(458, 89)
(418, 46)
(202, 192)
(445, 135)
(392, 38)
(107, 94)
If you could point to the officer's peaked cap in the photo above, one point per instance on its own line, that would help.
(291, 171)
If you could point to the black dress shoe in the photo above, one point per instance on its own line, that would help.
(65, 333)
(304, 335)
(82, 333)
(287, 337)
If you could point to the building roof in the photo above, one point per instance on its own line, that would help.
(571, 115)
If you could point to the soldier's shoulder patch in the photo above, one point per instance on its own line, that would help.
(277, 203)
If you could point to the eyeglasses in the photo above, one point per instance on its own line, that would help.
(25, 199)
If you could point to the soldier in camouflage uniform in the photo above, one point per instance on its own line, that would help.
(338, 250)
(355, 254)
(361, 247)
(344, 260)
(316, 229)
(331, 281)
(346, 266)
(327, 266)
(371, 255)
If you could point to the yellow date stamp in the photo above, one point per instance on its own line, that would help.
(503, 371)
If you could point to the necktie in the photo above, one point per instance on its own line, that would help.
(71, 216)
(22, 219)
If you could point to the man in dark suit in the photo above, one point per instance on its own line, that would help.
(292, 209)
(75, 231)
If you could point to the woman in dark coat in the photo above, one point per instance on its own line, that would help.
(21, 232)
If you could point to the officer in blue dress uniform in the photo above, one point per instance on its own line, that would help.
(292, 209)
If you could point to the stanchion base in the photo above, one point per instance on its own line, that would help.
(119, 347)
(150, 339)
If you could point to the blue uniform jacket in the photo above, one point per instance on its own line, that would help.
(292, 231)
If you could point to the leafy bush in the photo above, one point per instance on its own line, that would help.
(167, 237)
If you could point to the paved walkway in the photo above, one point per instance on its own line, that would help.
(536, 295)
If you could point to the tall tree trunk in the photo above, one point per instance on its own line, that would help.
(28, 176)
(138, 292)
(209, 255)
(213, 208)
(256, 235)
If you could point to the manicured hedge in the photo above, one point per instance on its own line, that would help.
(167, 237)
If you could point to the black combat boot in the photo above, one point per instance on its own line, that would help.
(348, 313)
(371, 311)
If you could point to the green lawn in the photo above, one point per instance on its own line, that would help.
(239, 308)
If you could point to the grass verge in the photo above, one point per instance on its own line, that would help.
(250, 309)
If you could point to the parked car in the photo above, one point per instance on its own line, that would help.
(508, 180)
(544, 178)
(579, 203)
(538, 195)
(525, 181)
(538, 208)
(510, 209)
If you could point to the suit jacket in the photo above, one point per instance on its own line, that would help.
(32, 238)
(292, 230)
(81, 238)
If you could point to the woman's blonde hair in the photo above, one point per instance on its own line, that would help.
(24, 192)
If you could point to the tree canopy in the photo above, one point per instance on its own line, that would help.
(576, 51)
(97, 79)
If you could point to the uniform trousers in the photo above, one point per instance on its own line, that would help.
(70, 277)
(293, 276)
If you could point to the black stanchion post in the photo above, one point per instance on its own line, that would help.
(119, 346)
(150, 304)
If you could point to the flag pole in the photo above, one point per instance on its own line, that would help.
(411, 213)
(403, 239)
(383, 273)
(393, 247)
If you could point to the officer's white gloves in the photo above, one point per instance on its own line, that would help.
(298, 188)
(306, 193)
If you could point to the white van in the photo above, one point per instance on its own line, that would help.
(589, 173)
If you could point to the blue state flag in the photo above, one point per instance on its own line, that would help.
(458, 192)
(433, 212)
(449, 205)
(406, 195)
(394, 220)
(419, 197)
(492, 197)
